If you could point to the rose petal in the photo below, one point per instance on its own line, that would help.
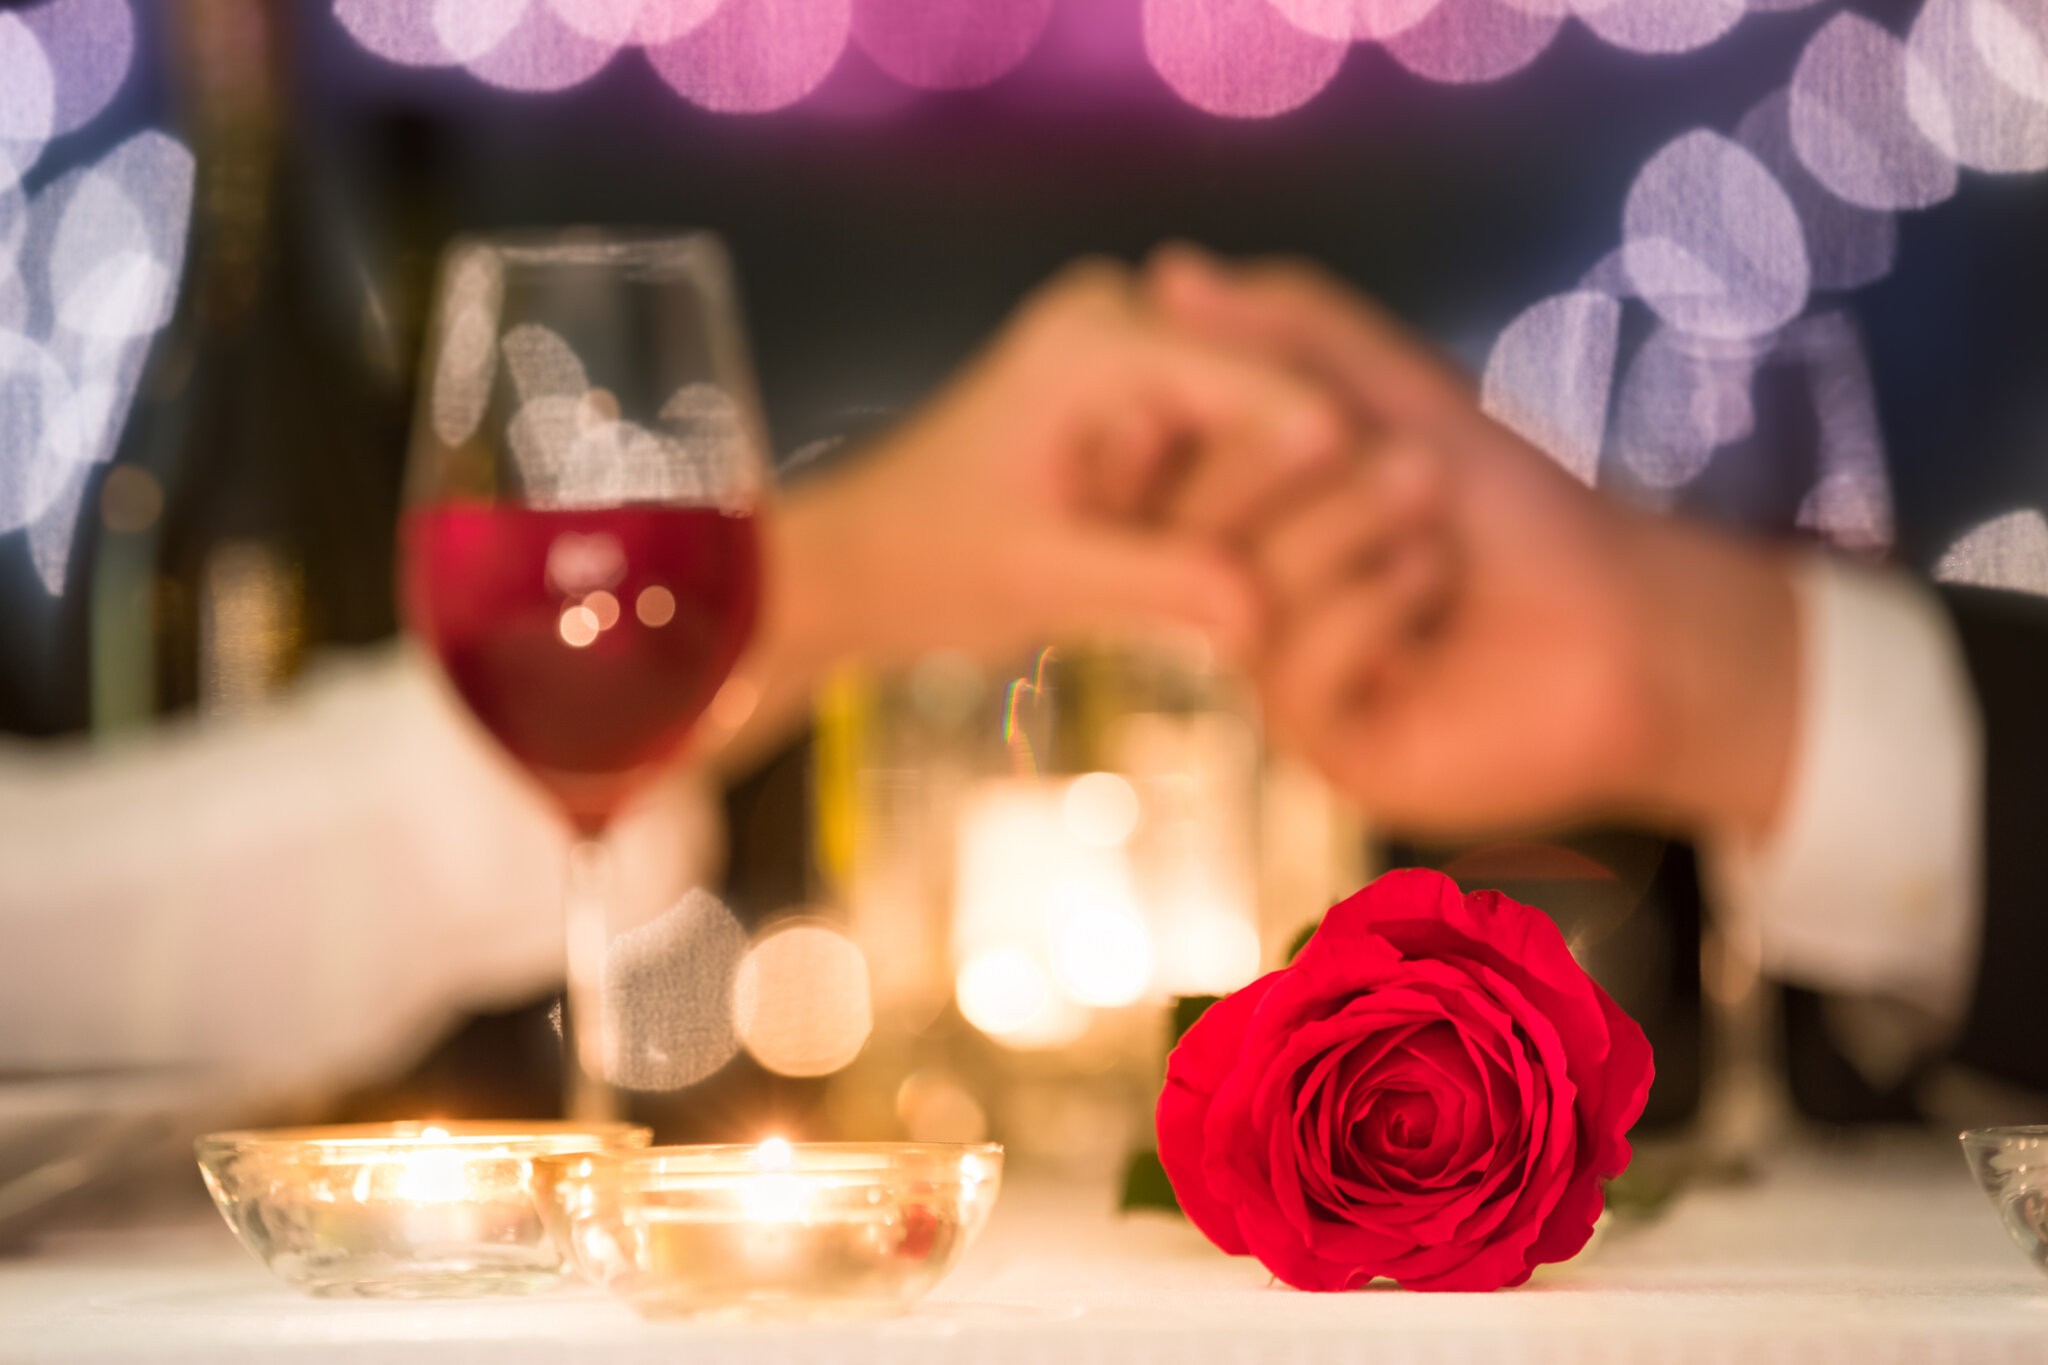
(1444, 1069)
(1205, 1054)
(1284, 1248)
(1570, 1225)
(1630, 1069)
(1431, 1092)
(1323, 1105)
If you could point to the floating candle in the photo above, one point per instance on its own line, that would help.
(402, 1210)
(780, 1229)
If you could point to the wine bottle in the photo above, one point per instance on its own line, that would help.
(248, 518)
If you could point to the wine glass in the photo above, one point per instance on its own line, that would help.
(579, 548)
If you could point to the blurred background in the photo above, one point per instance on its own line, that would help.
(961, 903)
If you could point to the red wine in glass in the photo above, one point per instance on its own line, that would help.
(588, 642)
(580, 555)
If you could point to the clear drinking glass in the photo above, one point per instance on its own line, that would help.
(580, 553)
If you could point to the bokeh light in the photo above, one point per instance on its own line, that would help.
(1711, 241)
(1683, 398)
(1850, 125)
(1233, 58)
(1984, 111)
(1101, 809)
(948, 44)
(28, 94)
(1237, 58)
(801, 1002)
(1206, 949)
(538, 52)
(2009, 552)
(578, 564)
(520, 45)
(1847, 245)
(753, 56)
(1551, 373)
(1009, 996)
(89, 267)
(1466, 42)
(655, 606)
(466, 351)
(92, 44)
(1850, 505)
(1101, 951)
(933, 1105)
(668, 990)
(1660, 26)
(566, 438)
(1363, 20)
(39, 439)
(131, 500)
(578, 627)
(403, 31)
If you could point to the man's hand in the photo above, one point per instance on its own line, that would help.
(1092, 469)
(1583, 659)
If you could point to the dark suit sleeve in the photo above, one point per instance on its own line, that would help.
(2005, 641)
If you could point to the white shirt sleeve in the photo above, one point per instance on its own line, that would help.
(294, 902)
(1869, 885)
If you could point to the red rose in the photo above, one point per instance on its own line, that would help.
(1434, 1091)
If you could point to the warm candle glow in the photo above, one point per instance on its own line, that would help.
(777, 1229)
(399, 1210)
(777, 1194)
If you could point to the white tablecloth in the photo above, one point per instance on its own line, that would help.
(1846, 1254)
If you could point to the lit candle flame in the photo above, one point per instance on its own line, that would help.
(433, 1177)
(775, 1154)
(776, 1194)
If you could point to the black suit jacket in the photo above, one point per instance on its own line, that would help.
(2005, 639)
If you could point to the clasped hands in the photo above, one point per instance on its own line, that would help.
(1456, 632)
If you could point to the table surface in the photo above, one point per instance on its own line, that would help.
(1849, 1252)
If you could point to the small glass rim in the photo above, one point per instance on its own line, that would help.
(586, 245)
(2003, 1132)
(352, 1139)
(852, 1159)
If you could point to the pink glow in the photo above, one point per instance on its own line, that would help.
(753, 56)
(1465, 42)
(948, 44)
(527, 45)
(1238, 58)
(541, 52)
(400, 31)
(620, 22)
(1345, 20)
(467, 30)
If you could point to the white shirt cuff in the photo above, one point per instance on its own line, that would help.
(1869, 885)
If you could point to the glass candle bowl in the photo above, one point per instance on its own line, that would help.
(808, 1231)
(2012, 1166)
(399, 1210)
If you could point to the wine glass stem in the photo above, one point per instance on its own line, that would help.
(588, 1095)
